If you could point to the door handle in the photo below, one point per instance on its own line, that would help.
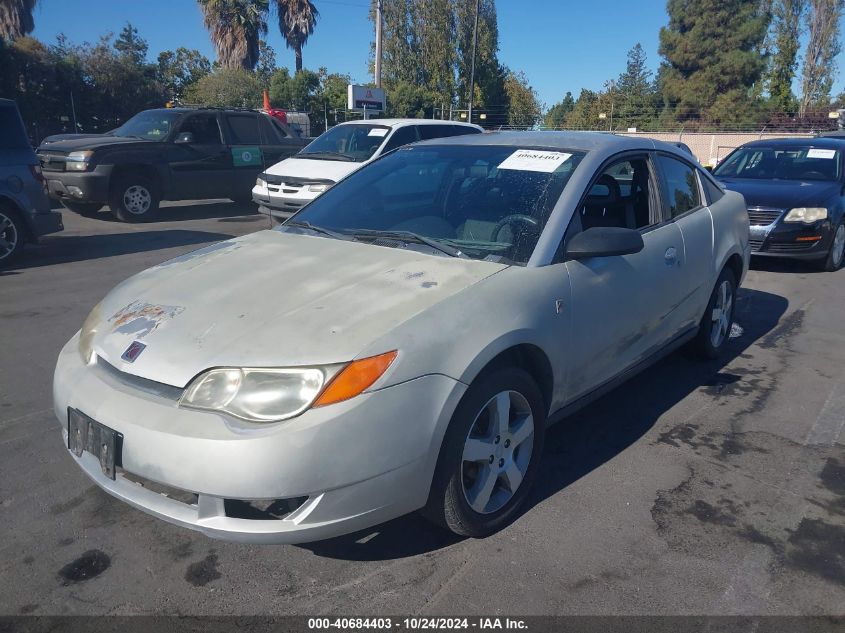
(670, 256)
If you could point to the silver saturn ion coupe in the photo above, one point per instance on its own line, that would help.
(403, 341)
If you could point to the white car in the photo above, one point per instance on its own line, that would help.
(403, 342)
(292, 183)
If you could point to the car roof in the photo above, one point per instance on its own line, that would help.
(563, 140)
(403, 122)
(820, 141)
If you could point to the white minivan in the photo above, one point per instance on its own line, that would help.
(292, 183)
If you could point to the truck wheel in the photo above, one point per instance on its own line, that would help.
(134, 199)
(87, 209)
(12, 234)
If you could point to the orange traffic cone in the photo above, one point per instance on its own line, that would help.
(266, 100)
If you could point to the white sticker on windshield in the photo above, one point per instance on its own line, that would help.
(821, 153)
(378, 131)
(534, 160)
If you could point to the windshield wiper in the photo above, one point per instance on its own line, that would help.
(305, 224)
(409, 236)
(325, 156)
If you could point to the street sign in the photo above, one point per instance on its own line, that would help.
(362, 98)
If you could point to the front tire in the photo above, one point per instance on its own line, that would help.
(715, 328)
(12, 234)
(490, 454)
(836, 254)
(134, 199)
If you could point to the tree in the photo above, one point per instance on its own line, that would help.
(822, 48)
(786, 31)
(297, 19)
(433, 22)
(266, 63)
(236, 26)
(400, 42)
(131, 45)
(524, 107)
(295, 92)
(16, 18)
(584, 115)
(713, 50)
(179, 69)
(556, 116)
(226, 87)
(489, 74)
(634, 92)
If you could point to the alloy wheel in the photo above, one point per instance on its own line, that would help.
(497, 452)
(137, 199)
(721, 316)
(838, 249)
(8, 236)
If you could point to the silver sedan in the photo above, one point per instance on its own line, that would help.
(403, 342)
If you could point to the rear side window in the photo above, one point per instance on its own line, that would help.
(438, 131)
(681, 186)
(269, 133)
(402, 136)
(204, 127)
(713, 193)
(244, 129)
(12, 135)
(463, 130)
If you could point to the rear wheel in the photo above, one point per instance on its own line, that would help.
(12, 234)
(87, 209)
(134, 199)
(835, 255)
(715, 328)
(490, 454)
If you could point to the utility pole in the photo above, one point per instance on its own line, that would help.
(472, 65)
(378, 45)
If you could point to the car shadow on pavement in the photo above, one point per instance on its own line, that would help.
(590, 437)
(784, 265)
(183, 211)
(63, 249)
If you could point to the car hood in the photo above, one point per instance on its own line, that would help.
(782, 194)
(332, 170)
(78, 142)
(271, 299)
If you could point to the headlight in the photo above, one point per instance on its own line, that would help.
(78, 161)
(318, 188)
(260, 183)
(273, 395)
(808, 215)
(87, 334)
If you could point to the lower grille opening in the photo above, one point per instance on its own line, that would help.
(262, 509)
(177, 494)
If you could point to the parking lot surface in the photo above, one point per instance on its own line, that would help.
(695, 488)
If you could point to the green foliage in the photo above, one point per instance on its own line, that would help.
(556, 116)
(16, 19)
(524, 108)
(236, 27)
(131, 45)
(786, 29)
(823, 19)
(226, 87)
(266, 64)
(297, 19)
(178, 69)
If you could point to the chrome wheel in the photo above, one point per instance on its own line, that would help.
(8, 236)
(137, 199)
(838, 248)
(721, 316)
(497, 451)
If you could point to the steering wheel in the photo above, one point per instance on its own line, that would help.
(514, 219)
(813, 175)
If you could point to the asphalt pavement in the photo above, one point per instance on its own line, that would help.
(696, 488)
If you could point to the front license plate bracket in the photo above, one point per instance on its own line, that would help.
(85, 435)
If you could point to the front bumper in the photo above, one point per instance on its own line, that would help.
(356, 463)
(272, 200)
(792, 240)
(81, 186)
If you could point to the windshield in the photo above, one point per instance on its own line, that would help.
(788, 163)
(151, 125)
(347, 142)
(464, 197)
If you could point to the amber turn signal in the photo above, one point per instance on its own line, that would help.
(355, 378)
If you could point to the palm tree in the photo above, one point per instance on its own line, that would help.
(16, 18)
(235, 26)
(297, 19)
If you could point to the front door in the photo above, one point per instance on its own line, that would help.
(201, 168)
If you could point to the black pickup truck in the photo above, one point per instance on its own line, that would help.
(165, 154)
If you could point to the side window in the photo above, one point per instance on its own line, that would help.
(713, 193)
(204, 127)
(620, 197)
(280, 129)
(462, 130)
(402, 136)
(244, 129)
(268, 131)
(682, 193)
(435, 131)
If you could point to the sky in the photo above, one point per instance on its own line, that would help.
(561, 45)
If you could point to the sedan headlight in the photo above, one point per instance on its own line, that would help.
(273, 395)
(78, 161)
(260, 183)
(807, 215)
(87, 334)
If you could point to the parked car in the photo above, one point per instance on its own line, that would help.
(794, 191)
(291, 184)
(165, 154)
(25, 212)
(438, 309)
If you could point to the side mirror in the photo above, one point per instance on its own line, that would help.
(184, 137)
(709, 168)
(604, 241)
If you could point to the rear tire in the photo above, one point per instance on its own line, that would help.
(833, 261)
(86, 209)
(12, 236)
(134, 199)
(473, 494)
(717, 321)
